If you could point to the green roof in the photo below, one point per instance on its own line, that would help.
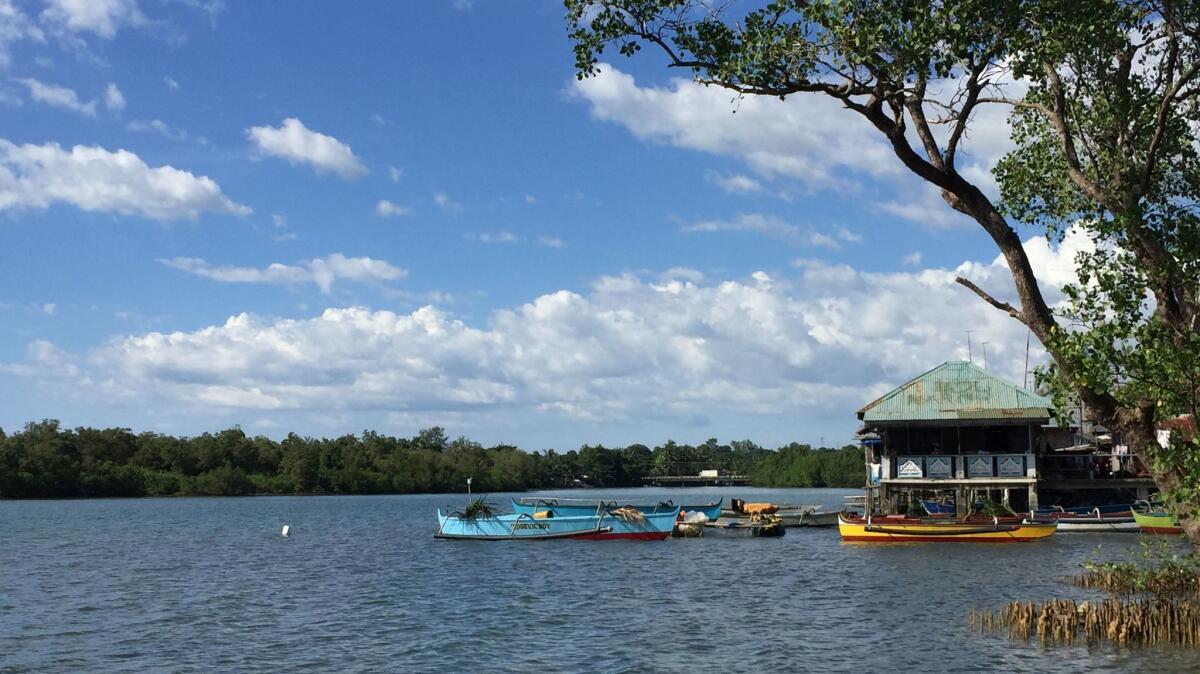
(956, 390)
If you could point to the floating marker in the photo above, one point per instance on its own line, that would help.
(286, 529)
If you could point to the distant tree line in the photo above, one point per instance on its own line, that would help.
(46, 461)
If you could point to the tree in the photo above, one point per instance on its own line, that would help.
(1105, 136)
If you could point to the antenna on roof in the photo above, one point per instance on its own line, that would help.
(970, 355)
(1025, 384)
(984, 344)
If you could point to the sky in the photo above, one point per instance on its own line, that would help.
(321, 218)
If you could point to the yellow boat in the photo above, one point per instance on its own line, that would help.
(976, 530)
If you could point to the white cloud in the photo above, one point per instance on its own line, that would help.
(15, 26)
(551, 242)
(49, 308)
(927, 209)
(530, 199)
(445, 203)
(495, 237)
(102, 17)
(113, 98)
(323, 272)
(734, 184)
(395, 173)
(913, 259)
(299, 145)
(387, 209)
(58, 96)
(171, 83)
(96, 179)
(810, 138)
(627, 349)
(162, 128)
(776, 228)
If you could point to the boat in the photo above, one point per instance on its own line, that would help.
(565, 507)
(1120, 509)
(768, 526)
(816, 518)
(937, 507)
(607, 525)
(1095, 522)
(900, 528)
(1158, 522)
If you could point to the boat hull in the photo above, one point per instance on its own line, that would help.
(1159, 523)
(567, 508)
(896, 530)
(520, 526)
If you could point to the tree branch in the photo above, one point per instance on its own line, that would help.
(1002, 306)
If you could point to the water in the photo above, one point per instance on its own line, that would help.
(200, 585)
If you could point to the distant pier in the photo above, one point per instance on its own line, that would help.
(696, 481)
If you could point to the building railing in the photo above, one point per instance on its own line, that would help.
(960, 466)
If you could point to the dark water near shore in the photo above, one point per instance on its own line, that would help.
(198, 585)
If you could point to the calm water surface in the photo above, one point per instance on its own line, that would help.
(198, 585)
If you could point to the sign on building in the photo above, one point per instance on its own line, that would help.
(1010, 466)
(909, 469)
(937, 466)
(979, 466)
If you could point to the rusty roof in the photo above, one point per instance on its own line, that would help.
(957, 390)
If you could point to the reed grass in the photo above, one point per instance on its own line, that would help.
(1127, 623)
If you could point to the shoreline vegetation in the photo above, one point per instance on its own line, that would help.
(44, 460)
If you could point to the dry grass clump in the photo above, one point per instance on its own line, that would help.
(1149, 622)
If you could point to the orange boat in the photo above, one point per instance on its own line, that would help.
(898, 529)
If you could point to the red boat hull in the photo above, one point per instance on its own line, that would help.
(1162, 530)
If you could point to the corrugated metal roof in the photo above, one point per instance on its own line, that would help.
(957, 390)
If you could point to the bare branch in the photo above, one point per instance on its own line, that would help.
(1002, 306)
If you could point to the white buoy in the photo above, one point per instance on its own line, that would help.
(286, 529)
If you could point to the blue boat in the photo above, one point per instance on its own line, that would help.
(1111, 509)
(525, 526)
(566, 507)
(937, 508)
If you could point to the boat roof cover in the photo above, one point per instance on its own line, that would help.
(956, 390)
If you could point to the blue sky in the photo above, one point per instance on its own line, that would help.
(324, 217)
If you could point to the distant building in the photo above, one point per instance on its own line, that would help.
(960, 430)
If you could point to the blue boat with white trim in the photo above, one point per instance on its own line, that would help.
(607, 525)
(565, 507)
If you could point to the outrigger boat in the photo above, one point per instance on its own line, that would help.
(1096, 522)
(768, 526)
(899, 528)
(1157, 523)
(607, 525)
(1117, 509)
(565, 507)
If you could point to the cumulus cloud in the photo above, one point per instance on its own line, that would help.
(810, 138)
(829, 337)
(298, 144)
(95, 179)
(323, 272)
(15, 26)
(102, 17)
(776, 228)
(113, 98)
(58, 96)
(387, 209)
